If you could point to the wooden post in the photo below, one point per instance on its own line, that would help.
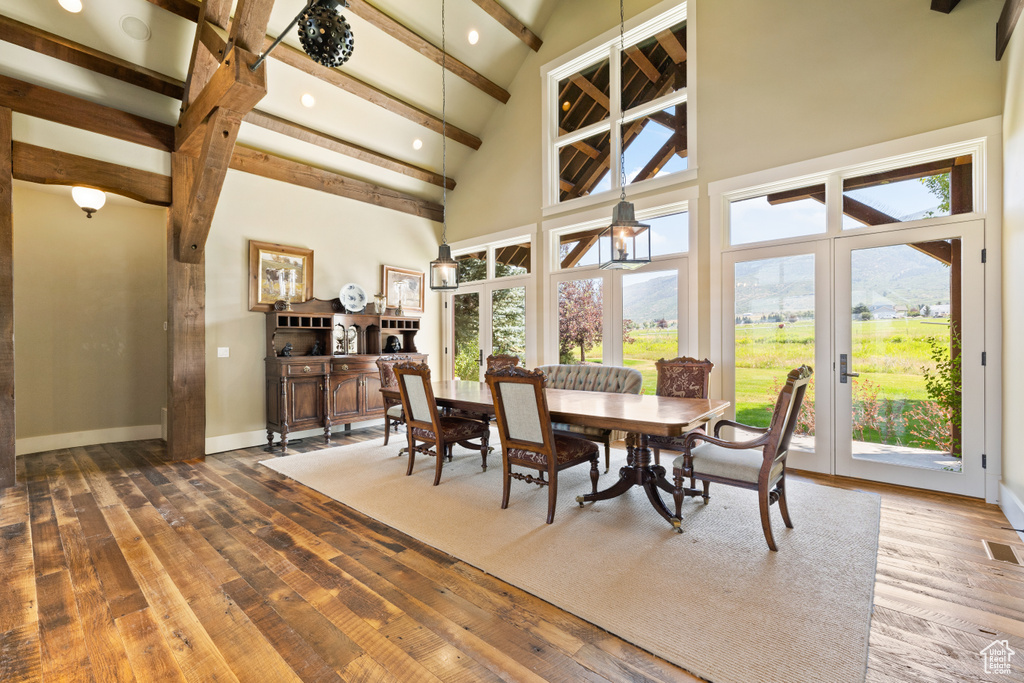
(7, 462)
(186, 329)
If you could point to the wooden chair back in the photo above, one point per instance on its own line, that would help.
(386, 368)
(417, 394)
(784, 417)
(684, 377)
(501, 360)
(521, 409)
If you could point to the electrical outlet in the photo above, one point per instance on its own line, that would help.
(223, 352)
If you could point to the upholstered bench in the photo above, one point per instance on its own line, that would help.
(609, 378)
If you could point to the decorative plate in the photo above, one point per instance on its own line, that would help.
(353, 297)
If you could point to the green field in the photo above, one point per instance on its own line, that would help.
(889, 354)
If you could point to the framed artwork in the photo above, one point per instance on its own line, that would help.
(405, 286)
(277, 271)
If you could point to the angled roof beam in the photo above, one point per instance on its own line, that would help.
(420, 44)
(204, 60)
(659, 159)
(503, 17)
(285, 170)
(69, 51)
(589, 88)
(43, 103)
(637, 56)
(672, 46)
(1012, 10)
(300, 132)
(944, 6)
(298, 59)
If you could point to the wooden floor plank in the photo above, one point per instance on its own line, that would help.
(225, 570)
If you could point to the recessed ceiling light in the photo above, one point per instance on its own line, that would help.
(474, 36)
(134, 28)
(71, 5)
(308, 101)
(417, 143)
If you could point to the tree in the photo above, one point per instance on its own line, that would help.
(938, 185)
(661, 324)
(627, 327)
(580, 319)
(860, 309)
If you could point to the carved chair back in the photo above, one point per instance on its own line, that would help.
(684, 377)
(784, 417)
(388, 379)
(417, 394)
(521, 409)
(501, 360)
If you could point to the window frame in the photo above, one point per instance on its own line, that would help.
(641, 27)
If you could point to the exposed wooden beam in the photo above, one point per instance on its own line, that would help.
(961, 188)
(420, 44)
(205, 59)
(584, 242)
(860, 211)
(940, 250)
(592, 90)
(906, 173)
(314, 137)
(186, 330)
(183, 8)
(1012, 10)
(218, 144)
(69, 51)
(34, 100)
(659, 159)
(518, 28)
(637, 56)
(796, 194)
(50, 167)
(288, 171)
(671, 45)
(298, 59)
(944, 6)
(249, 25)
(7, 426)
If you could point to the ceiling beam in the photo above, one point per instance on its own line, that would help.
(1012, 10)
(914, 172)
(396, 29)
(69, 51)
(204, 59)
(672, 46)
(49, 167)
(944, 6)
(285, 170)
(43, 103)
(940, 250)
(660, 158)
(518, 28)
(298, 59)
(637, 56)
(587, 86)
(314, 137)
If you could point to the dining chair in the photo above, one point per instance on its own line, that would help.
(388, 380)
(501, 360)
(758, 463)
(425, 424)
(682, 377)
(527, 439)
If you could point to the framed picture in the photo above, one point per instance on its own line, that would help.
(405, 286)
(278, 272)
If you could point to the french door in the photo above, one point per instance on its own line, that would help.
(908, 379)
(485, 319)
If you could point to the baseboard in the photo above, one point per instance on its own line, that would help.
(50, 442)
(232, 442)
(1011, 506)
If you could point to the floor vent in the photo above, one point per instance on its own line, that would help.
(1001, 552)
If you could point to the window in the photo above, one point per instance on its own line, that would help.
(609, 105)
(928, 190)
(789, 213)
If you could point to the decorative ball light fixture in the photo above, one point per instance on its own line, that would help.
(88, 199)
(444, 271)
(626, 243)
(323, 32)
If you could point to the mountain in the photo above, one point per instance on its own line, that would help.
(651, 300)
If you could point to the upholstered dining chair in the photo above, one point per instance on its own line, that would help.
(527, 439)
(758, 463)
(388, 380)
(425, 424)
(682, 377)
(501, 360)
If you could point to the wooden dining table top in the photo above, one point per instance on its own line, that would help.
(647, 414)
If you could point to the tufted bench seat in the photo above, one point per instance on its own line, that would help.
(609, 378)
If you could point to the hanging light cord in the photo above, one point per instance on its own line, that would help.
(444, 134)
(622, 115)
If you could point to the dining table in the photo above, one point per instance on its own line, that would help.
(640, 416)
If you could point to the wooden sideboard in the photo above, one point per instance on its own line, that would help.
(338, 386)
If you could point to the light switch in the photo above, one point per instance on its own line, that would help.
(223, 352)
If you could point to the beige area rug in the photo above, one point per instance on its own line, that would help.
(713, 600)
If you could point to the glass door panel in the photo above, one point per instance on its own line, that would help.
(581, 320)
(908, 311)
(466, 345)
(650, 321)
(508, 322)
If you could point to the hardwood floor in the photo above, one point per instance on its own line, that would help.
(115, 566)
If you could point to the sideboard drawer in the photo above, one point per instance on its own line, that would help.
(302, 369)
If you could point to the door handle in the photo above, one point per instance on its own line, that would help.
(843, 367)
(481, 356)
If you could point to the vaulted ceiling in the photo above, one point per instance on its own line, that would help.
(368, 112)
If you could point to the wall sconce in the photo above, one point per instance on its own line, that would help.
(88, 199)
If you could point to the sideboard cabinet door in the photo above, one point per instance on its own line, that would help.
(345, 396)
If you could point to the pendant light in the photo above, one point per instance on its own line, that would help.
(444, 271)
(626, 243)
(324, 34)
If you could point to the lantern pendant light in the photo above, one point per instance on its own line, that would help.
(444, 271)
(626, 243)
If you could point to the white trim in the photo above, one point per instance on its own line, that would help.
(51, 442)
(669, 100)
(1011, 506)
(233, 442)
(501, 238)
